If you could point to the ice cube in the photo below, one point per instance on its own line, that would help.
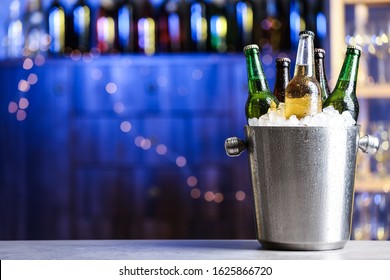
(348, 119)
(329, 117)
(253, 122)
(293, 121)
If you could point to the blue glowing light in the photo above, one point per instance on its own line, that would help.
(174, 27)
(124, 26)
(321, 25)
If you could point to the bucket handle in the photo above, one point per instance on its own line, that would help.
(234, 146)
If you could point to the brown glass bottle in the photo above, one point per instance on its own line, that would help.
(319, 60)
(282, 77)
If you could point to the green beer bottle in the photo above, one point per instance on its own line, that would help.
(260, 98)
(343, 97)
(319, 59)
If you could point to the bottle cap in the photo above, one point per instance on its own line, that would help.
(317, 50)
(283, 59)
(307, 32)
(250, 47)
(319, 53)
(356, 47)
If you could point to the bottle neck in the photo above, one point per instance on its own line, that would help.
(305, 57)
(282, 75)
(320, 70)
(349, 72)
(256, 79)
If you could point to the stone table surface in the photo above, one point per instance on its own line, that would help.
(180, 249)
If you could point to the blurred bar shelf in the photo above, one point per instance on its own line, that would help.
(352, 2)
(371, 183)
(374, 91)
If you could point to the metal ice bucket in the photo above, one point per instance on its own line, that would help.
(303, 183)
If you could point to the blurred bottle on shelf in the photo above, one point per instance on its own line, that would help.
(146, 28)
(297, 21)
(319, 60)
(105, 27)
(283, 7)
(14, 34)
(198, 26)
(314, 19)
(218, 24)
(272, 26)
(57, 27)
(241, 31)
(36, 39)
(126, 26)
(343, 97)
(172, 26)
(282, 77)
(81, 18)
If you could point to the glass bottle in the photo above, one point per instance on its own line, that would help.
(303, 92)
(243, 23)
(198, 26)
(271, 27)
(282, 77)
(15, 37)
(126, 26)
(171, 26)
(147, 29)
(81, 26)
(319, 58)
(36, 38)
(105, 27)
(57, 27)
(343, 97)
(260, 98)
(218, 26)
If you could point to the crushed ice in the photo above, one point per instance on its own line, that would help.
(329, 117)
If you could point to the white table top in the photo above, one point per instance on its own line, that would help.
(179, 249)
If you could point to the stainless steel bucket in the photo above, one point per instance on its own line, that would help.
(303, 183)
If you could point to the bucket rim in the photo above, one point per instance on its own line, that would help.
(324, 128)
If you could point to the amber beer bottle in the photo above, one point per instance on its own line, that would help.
(343, 97)
(319, 58)
(282, 77)
(303, 92)
(260, 98)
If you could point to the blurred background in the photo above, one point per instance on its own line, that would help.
(113, 114)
